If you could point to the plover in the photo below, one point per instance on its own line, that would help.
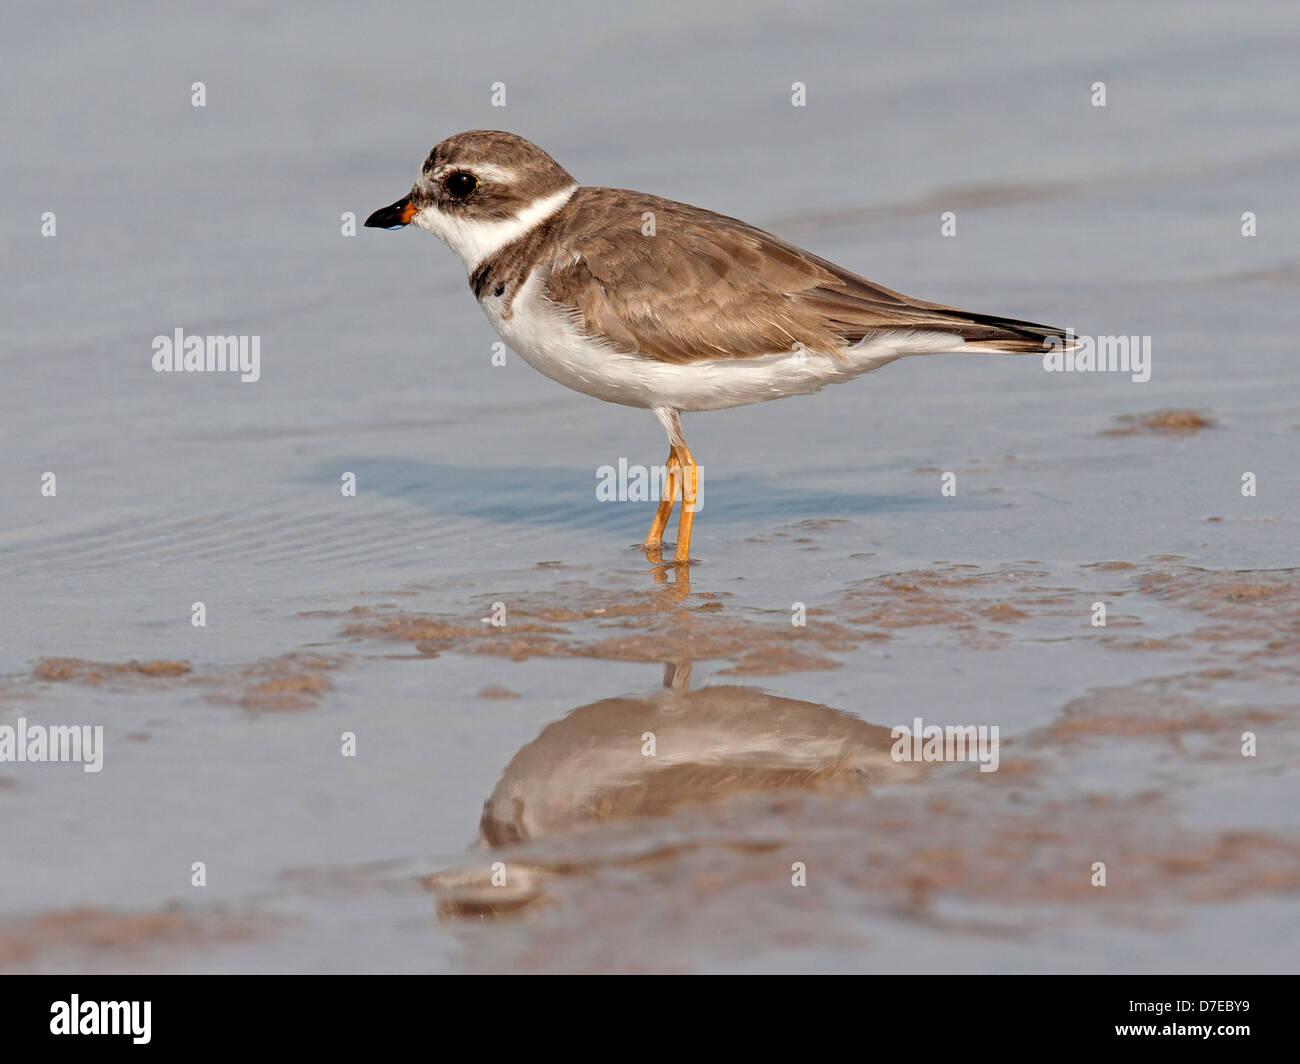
(651, 303)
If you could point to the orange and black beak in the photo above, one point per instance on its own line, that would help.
(394, 216)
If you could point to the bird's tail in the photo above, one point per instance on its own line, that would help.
(988, 334)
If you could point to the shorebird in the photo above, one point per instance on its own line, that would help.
(647, 302)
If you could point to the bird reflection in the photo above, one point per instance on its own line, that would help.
(640, 757)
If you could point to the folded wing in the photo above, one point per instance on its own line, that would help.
(680, 284)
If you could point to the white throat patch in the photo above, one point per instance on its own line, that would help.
(475, 239)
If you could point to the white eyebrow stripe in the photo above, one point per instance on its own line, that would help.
(483, 171)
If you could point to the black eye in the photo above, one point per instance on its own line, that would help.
(460, 184)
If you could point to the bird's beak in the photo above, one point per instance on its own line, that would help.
(394, 216)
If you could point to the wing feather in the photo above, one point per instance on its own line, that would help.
(705, 286)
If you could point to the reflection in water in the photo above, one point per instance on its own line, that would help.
(681, 582)
(650, 756)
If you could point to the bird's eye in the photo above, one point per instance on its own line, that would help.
(460, 184)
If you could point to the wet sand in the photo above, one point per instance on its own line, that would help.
(607, 859)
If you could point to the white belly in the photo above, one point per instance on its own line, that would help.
(544, 336)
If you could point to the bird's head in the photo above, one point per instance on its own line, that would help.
(479, 191)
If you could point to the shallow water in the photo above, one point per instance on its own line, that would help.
(476, 486)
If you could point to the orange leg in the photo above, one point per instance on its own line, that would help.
(672, 482)
(690, 494)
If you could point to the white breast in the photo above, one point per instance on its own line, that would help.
(543, 335)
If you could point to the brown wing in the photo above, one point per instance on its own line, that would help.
(705, 286)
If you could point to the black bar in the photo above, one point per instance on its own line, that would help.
(943, 1013)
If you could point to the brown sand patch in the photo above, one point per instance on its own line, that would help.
(964, 600)
(122, 936)
(772, 661)
(95, 673)
(983, 608)
(1153, 708)
(820, 524)
(286, 692)
(1261, 607)
(292, 681)
(1161, 423)
(663, 625)
(1128, 643)
(495, 690)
